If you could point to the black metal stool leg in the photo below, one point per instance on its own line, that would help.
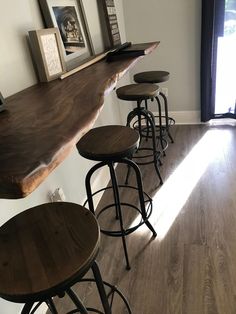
(139, 122)
(127, 175)
(27, 308)
(118, 206)
(75, 299)
(88, 185)
(147, 124)
(166, 116)
(51, 306)
(152, 117)
(149, 115)
(101, 289)
(130, 117)
(160, 125)
(141, 194)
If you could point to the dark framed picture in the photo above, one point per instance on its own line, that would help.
(68, 16)
(47, 53)
(109, 22)
(2, 102)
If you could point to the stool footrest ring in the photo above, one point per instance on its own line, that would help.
(143, 220)
(114, 290)
(136, 158)
(145, 129)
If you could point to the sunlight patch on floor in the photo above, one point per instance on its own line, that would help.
(172, 196)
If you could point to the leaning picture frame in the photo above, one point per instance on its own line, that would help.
(109, 22)
(69, 17)
(47, 53)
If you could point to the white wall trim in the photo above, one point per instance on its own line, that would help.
(185, 117)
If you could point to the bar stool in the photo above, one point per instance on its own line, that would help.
(44, 251)
(156, 77)
(144, 122)
(109, 145)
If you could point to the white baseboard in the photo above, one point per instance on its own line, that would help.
(185, 117)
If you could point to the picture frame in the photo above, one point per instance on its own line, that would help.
(47, 53)
(69, 17)
(2, 103)
(108, 17)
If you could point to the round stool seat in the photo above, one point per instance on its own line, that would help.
(135, 92)
(45, 249)
(151, 77)
(108, 142)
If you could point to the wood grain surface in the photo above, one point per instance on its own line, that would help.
(43, 123)
(189, 268)
(108, 143)
(46, 248)
(137, 92)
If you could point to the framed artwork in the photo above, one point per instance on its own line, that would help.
(68, 16)
(47, 53)
(109, 22)
(2, 102)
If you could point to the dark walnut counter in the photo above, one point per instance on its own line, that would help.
(43, 123)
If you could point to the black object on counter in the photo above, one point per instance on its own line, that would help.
(2, 103)
(127, 50)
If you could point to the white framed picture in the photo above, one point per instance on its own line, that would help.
(68, 16)
(47, 53)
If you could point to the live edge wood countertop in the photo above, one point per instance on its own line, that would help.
(43, 123)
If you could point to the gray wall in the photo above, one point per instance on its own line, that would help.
(177, 25)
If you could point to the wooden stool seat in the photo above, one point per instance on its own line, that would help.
(152, 77)
(136, 92)
(108, 142)
(44, 249)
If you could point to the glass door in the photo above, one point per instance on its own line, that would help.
(225, 92)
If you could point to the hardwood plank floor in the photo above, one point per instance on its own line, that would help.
(190, 268)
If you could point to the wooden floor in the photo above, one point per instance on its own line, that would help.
(190, 267)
